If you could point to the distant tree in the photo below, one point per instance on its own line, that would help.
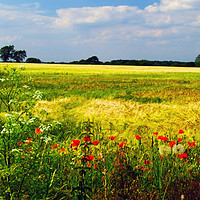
(7, 53)
(19, 56)
(197, 61)
(33, 60)
(93, 60)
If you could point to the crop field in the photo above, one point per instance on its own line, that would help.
(99, 132)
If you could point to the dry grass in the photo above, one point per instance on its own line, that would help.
(128, 117)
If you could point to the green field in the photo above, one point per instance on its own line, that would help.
(104, 101)
(159, 98)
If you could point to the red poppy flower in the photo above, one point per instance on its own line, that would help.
(62, 150)
(172, 143)
(165, 139)
(183, 155)
(146, 162)
(90, 158)
(54, 146)
(179, 140)
(19, 143)
(102, 178)
(180, 131)
(95, 166)
(28, 141)
(30, 149)
(75, 143)
(37, 131)
(122, 144)
(95, 142)
(191, 144)
(111, 137)
(156, 133)
(87, 139)
(160, 137)
(137, 137)
(88, 165)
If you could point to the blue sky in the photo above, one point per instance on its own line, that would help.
(66, 30)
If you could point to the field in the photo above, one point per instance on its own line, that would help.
(135, 105)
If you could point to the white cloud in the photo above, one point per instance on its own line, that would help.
(92, 15)
(174, 5)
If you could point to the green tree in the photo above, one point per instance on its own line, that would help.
(33, 60)
(93, 60)
(7, 53)
(197, 61)
(19, 56)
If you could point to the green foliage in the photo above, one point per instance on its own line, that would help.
(16, 94)
(197, 61)
(7, 53)
(33, 60)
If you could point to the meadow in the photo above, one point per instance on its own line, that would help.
(99, 132)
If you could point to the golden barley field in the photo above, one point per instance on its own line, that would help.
(129, 98)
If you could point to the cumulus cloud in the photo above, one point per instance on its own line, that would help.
(92, 15)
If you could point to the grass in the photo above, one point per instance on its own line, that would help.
(127, 102)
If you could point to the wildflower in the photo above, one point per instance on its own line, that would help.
(165, 139)
(95, 166)
(160, 137)
(156, 133)
(102, 178)
(137, 137)
(37, 131)
(111, 137)
(90, 158)
(172, 143)
(164, 150)
(75, 143)
(62, 150)
(146, 162)
(22, 156)
(46, 139)
(95, 142)
(54, 146)
(88, 165)
(180, 131)
(122, 144)
(87, 139)
(19, 143)
(28, 141)
(30, 149)
(183, 155)
(179, 140)
(178, 149)
(191, 144)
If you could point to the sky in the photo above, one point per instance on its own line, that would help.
(69, 30)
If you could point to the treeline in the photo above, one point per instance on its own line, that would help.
(95, 60)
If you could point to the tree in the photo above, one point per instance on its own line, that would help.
(197, 61)
(33, 60)
(7, 53)
(19, 56)
(93, 60)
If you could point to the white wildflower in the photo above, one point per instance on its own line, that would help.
(178, 149)
(2, 79)
(46, 139)
(164, 150)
